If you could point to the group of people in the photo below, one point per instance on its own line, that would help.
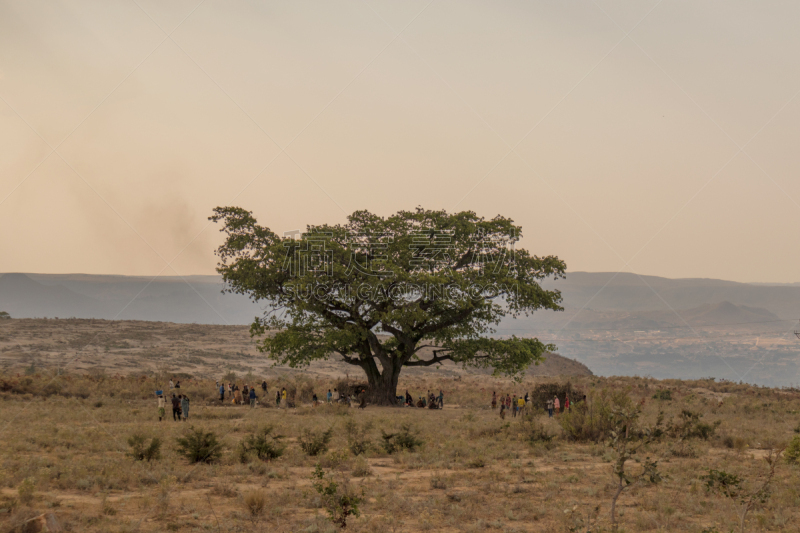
(243, 395)
(429, 401)
(180, 407)
(515, 405)
(518, 404)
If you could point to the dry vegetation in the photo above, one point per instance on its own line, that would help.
(66, 451)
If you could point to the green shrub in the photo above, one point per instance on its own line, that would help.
(592, 420)
(663, 394)
(792, 453)
(357, 440)
(140, 452)
(199, 446)
(337, 500)
(263, 444)
(689, 426)
(314, 443)
(402, 440)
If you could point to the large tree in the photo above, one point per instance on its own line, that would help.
(378, 291)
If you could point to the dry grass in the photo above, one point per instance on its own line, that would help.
(65, 451)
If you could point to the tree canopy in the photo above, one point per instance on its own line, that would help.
(379, 290)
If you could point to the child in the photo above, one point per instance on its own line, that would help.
(161, 407)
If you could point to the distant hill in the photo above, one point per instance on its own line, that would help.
(198, 299)
(193, 299)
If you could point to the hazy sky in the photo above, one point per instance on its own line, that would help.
(646, 136)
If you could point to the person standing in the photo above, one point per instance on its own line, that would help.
(441, 399)
(566, 403)
(550, 408)
(330, 395)
(494, 399)
(230, 390)
(264, 386)
(277, 398)
(557, 405)
(520, 405)
(161, 405)
(409, 399)
(222, 393)
(185, 407)
(176, 408)
(514, 407)
(335, 396)
(508, 401)
(283, 398)
(171, 385)
(252, 398)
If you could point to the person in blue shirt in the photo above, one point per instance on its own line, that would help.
(330, 395)
(252, 398)
(222, 393)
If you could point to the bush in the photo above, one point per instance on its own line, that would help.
(140, 452)
(337, 500)
(689, 426)
(361, 468)
(26, 490)
(792, 453)
(199, 446)
(663, 394)
(255, 502)
(402, 440)
(314, 443)
(533, 432)
(592, 420)
(263, 444)
(357, 441)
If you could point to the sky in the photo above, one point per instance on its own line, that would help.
(657, 137)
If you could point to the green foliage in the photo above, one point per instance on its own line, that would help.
(593, 420)
(337, 500)
(625, 440)
(314, 443)
(689, 426)
(26, 490)
(263, 444)
(452, 300)
(199, 446)
(357, 440)
(792, 453)
(734, 487)
(4, 315)
(140, 451)
(404, 439)
(533, 431)
(663, 395)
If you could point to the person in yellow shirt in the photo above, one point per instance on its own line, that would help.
(521, 404)
(283, 398)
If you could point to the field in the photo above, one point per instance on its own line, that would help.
(66, 452)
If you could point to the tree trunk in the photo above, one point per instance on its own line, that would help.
(382, 386)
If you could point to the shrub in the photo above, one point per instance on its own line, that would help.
(314, 443)
(263, 444)
(255, 502)
(689, 426)
(361, 468)
(357, 441)
(792, 453)
(533, 431)
(663, 394)
(199, 446)
(592, 420)
(26, 490)
(338, 501)
(402, 440)
(140, 452)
